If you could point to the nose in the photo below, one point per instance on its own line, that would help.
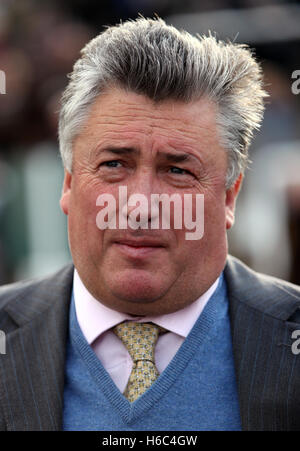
(138, 209)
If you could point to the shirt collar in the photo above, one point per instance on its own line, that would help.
(94, 318)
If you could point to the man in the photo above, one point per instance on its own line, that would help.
(153, 329)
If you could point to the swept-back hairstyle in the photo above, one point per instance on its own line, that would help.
(148, 57)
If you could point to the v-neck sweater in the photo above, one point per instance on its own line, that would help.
(197, 391)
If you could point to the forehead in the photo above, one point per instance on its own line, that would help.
(118, 115)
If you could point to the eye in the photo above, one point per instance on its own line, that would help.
(180, 171)
(111, 164)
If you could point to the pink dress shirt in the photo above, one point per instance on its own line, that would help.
(96, 321)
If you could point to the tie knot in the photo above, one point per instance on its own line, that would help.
(139, 338)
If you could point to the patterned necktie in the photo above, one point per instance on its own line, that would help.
(140, 340)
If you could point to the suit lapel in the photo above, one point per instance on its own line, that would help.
(267, 371)
(32, 370)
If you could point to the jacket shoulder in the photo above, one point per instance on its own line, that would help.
(265, 293)
(34, 295)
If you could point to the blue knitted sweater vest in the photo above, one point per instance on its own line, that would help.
(197, 391)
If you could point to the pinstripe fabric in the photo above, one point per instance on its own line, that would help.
(263, 312)
(268, 373)
(35, 318)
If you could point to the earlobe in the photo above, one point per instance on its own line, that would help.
(231, 196)
(66, 192)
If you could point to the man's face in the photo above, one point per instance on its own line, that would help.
(169, 147)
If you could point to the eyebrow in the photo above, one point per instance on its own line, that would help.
(169, 156)
(121, 150)
(116, 150)
(176, 158)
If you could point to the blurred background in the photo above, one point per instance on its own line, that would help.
(39, 43)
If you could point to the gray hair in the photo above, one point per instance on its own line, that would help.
(148, 57)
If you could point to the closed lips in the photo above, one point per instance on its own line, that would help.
(143, 243)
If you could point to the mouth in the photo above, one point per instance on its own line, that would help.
(139, 248)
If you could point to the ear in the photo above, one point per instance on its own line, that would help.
(66, 193)
(231, 196)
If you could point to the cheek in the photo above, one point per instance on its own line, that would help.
(214, 204)
(85, 235)
(83, 208)
(82, 215)
(212, 238)
(84, 198)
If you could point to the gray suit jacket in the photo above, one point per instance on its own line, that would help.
(264, 312)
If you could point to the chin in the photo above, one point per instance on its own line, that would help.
(138, 286)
